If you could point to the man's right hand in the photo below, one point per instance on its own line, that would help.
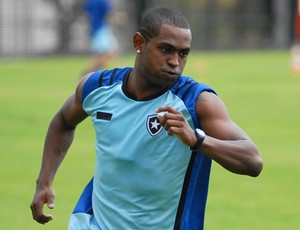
(41, 197)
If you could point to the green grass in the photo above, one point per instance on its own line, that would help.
(261, 96)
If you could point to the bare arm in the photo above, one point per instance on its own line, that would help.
(58, 140)
(225, 142)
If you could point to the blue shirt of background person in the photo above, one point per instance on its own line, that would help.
(97, 11)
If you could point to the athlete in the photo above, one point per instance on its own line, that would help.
(103, 43)
(157, 133)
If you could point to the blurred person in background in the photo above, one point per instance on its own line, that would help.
(103, 43)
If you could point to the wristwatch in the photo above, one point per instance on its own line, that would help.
(200, 134)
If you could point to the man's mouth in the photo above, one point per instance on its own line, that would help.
(172, 73)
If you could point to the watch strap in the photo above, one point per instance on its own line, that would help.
(200, 139)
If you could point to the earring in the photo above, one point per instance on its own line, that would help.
(138, 51)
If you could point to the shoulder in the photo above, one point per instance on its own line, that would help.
(103, 78)
(209, 101)
(189, 91)
(210, 107)
(187, 87)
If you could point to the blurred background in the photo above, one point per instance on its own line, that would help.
(51, 27)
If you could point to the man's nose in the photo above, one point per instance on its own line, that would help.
(173, 60)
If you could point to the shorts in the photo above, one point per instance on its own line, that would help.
(103, 41)
(82, 217)
(82, 221)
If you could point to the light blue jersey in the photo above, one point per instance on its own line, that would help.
(144, 178)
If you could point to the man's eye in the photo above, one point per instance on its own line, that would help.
(166, 50)
(184, 54)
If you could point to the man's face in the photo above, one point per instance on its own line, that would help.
(164, 56)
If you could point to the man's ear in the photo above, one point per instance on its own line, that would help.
(139, 41)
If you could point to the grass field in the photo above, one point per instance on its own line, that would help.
(261, 95)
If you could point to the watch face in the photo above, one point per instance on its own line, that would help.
(200, 132)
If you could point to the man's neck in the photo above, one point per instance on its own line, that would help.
(141, 90)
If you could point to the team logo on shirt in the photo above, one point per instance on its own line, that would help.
(153, 125)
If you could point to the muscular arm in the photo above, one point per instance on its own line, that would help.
(225, 142)
(58, 140)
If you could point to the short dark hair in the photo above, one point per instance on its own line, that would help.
(154, 18)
